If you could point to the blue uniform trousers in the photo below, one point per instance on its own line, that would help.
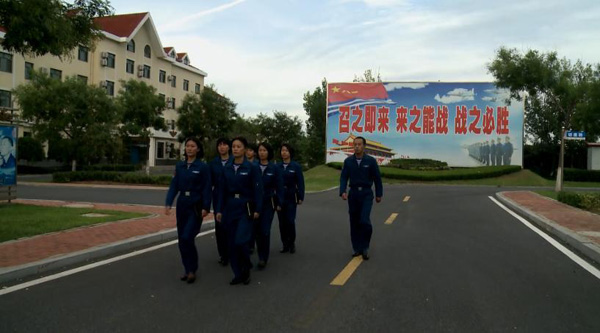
(287, 223)
(239, 229)
(263, 230)
(188, 227)
(221, 236)
(359, 208)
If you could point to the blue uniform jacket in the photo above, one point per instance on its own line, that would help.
(193, 184)
(216, 171)
(11, 162)
(246, 183)
(361, 176)
(273, 184)
(293, 181)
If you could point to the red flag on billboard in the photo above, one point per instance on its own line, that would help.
(347, 91)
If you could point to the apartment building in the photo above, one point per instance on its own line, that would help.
(130, 49)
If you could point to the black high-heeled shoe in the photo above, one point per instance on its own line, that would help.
(191, 278)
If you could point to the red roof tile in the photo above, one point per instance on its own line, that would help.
(180, 56)
(120, 25)
(167, 49)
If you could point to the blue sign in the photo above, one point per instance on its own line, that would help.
(8, 155)
(575, 135)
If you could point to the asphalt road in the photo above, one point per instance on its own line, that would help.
(451, 261)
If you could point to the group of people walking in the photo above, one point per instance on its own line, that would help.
(245, 189)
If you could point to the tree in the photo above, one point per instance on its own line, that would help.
(83, 117)
(30, 149)
(557, 93)
(367, 77)
(280, 129)
(39, 27)
(315, 105)
(208, 116)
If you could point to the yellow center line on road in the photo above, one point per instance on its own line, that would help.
(406, 198)
(347, 272)
(391, 219)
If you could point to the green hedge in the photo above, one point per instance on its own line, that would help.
(452, 174)
(110, 176)
(586, 201)
(581, 175)
(111, 167)
(418, 164)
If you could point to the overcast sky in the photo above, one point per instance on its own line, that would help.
(265, 54)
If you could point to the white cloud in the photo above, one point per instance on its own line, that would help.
(400, 85)
(181, 24)
(456, 95)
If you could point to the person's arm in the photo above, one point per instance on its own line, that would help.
(206, 191)
(257, 183)
(378, 183)
(220, 195)
(344, 181)
(300, 182)
(172, 193)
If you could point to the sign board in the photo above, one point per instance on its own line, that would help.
(8, 155)
(464, 124)
(575, 135)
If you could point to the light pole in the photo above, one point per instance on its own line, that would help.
(561, 162)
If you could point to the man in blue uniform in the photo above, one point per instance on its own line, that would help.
(508, 151)
(216, 170)
(362, 170)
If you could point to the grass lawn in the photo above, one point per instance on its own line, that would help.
(321, 178)
(17, 220)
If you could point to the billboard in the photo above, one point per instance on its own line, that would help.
(465, 124)
(8, 155)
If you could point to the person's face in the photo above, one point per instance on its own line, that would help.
(263, 153)
(249, 153)
(359, 146)
(223, 148)
(191, 149)
(285, 153)
(5, 147)
(237, 148)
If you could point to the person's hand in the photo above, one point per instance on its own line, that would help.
(278, 208)
(204, 213)
(299, 202)
(344, 196)
(167, 211)
(218, 217)
(255, 215)
(378, 199)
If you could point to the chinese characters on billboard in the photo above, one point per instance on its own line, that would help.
(8, 155)
(463, 124)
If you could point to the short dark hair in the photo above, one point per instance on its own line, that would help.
(200, 153)
(223, 140)
(269, 149)
(10, 140)
(240, 139)
(360, 137)
(252, 146)
(289, 148)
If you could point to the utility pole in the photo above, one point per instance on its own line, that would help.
(561, 162)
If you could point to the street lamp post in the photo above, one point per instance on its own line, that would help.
(561, 162)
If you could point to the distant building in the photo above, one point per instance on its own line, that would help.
(381, 153)
(130, 49)
(593, 156)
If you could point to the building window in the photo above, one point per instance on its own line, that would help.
(172, 102)
(28, 69)
(130, 66)
(197, 89)
(83, 53)
(147, 52)
(5, 98)
(83, 79)
(6, 62)
(160, 149)
(131, 46)
(146, 71)
(186, 85)
(172, 151)
(27, 134)
(173, 81)
(110, 60)
(186, 61)
(55, 73)
(162, 76)
(110, 88)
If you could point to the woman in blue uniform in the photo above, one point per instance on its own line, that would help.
(216, 170)
(192, 183)
(272, 200)
(239, 202)
(293, 195)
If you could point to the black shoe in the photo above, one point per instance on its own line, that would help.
(251, 250)
(284, 250)
(355, 254)
(293, 249)
(191, 278)
(247, 280)
(262, 264)
(235, 281)
(183, 278)
(365, 255)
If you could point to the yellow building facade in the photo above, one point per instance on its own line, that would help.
(130, 49)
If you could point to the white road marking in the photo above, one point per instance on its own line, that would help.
(90, 266)
(584, 264)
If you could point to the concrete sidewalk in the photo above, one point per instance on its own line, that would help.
(38, 254)
(577, 228)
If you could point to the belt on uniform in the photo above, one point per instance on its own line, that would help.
(235, 195)
(187, 193)
(359, 188)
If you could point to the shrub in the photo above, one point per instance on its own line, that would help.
(587, 201)
(582, 175)
(418, 164)
(30, 149)
(111, 167)
(109, 176)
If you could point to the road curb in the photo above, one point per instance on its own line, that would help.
(578, 242)
(123, 246)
